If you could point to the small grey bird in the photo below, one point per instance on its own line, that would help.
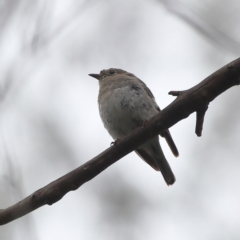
(124, 103)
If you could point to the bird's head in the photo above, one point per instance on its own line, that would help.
(111, 72)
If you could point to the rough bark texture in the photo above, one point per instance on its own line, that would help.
(195, 99)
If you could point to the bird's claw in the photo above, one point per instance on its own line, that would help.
(114, 143)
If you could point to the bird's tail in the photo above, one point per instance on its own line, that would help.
(152, 154)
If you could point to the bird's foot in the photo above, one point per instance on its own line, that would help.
(114, 143)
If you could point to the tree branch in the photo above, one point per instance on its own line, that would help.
(195, 99)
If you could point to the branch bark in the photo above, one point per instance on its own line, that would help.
(195, 99)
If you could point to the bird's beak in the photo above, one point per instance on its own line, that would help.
(97, 76)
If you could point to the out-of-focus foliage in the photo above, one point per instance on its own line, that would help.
(49, 122)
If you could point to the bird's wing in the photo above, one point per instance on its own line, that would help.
(152, 154)
(146, 157)
(166, 134)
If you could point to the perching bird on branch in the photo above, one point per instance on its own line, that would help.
(125, 102)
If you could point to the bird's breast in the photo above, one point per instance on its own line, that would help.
(123, 109)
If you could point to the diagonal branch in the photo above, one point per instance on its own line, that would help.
(195, 99)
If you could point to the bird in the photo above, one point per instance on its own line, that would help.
(124, 103)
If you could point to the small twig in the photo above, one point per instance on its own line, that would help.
(175, 93)
(199, 120)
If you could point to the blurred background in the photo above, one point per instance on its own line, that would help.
(49, 122)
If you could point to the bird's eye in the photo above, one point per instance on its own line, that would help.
(112, 71)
